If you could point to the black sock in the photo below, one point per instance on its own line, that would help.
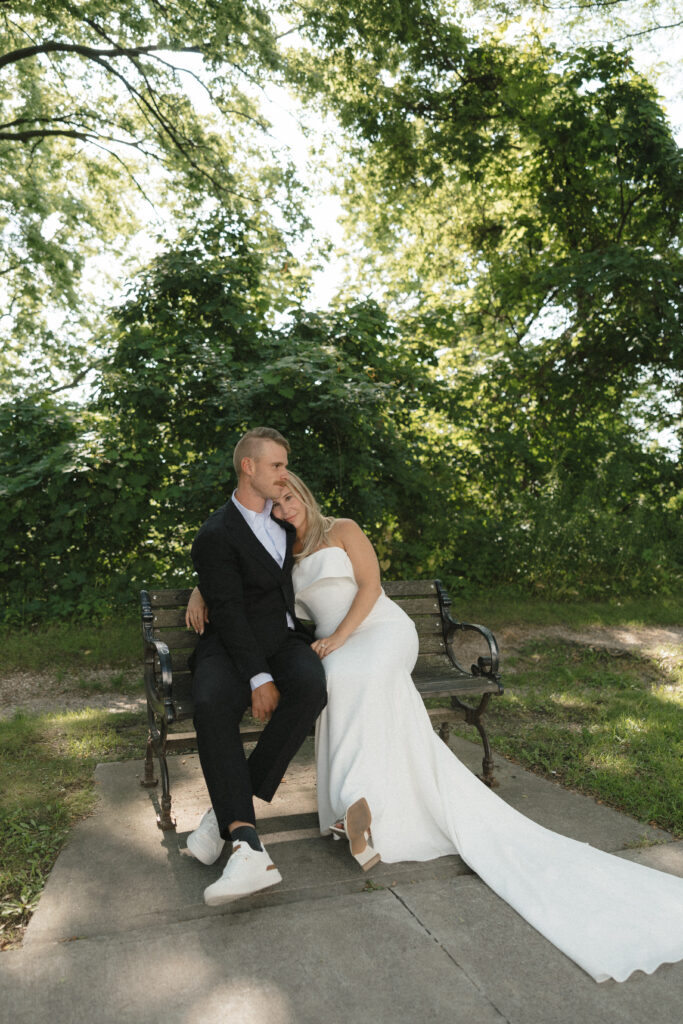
(246, 834)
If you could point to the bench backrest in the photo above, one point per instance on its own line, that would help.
(422, 600)
(439, 670)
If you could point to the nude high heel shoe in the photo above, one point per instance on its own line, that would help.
(356, 827)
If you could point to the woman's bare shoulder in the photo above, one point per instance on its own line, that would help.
(347, 534)
(344, 528)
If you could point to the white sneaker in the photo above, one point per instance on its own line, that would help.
(247, 871)
(206, 842)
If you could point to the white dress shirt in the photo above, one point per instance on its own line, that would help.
(274, 539)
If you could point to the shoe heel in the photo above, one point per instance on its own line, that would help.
(367, 858)
(357, 821)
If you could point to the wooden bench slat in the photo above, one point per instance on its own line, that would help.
(409, 588)
(176, 638)
(459, 685)
(432, 659)
(170, 616)
(428, 625)
(394, 588)
(432, 663)
(433, 645)
(169, 598)
(418, 605)
(179, 661)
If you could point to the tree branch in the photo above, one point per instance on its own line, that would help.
(71, 133)
(77, 379)
(647, 31)
(91, 52)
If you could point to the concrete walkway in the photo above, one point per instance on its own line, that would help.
(122, 933)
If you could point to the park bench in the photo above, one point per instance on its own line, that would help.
(446, 646)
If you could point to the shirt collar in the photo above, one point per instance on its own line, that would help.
(249, 513)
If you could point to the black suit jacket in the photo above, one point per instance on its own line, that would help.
(247, 592)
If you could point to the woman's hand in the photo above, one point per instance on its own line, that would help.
(326, 644)
(196, 613)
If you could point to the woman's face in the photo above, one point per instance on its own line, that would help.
(290, 508)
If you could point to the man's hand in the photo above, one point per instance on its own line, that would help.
(197, 613)
(264, 699)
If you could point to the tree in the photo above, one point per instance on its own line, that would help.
(521, 207)
(197, 362)
(98, 131)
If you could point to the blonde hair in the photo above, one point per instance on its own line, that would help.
(249, 445)
(317, 525)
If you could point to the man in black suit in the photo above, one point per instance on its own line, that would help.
(252, 651)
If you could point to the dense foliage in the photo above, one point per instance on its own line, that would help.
(505, 409)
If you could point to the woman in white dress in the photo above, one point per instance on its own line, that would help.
(384, 775)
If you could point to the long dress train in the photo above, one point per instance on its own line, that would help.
(374, 739)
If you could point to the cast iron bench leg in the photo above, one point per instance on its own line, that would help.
(473, 717)
(164, 820)
(156, 742)
(148, 781)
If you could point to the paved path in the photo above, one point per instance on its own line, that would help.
(122, 934)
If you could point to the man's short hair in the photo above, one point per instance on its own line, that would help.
(249, 445)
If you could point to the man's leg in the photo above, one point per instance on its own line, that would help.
(220, 699)
(300, 678)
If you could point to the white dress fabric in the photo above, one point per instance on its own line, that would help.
(375, 740)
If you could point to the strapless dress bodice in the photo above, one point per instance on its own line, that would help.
(325, 586)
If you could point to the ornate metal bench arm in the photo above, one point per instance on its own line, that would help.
(485, 666)
(160, 649)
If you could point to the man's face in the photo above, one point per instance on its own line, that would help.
(267, 473)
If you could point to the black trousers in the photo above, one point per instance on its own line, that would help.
(221, 698)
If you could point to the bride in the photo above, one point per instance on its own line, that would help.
(387, 782)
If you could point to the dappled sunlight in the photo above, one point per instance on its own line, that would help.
(245, 998)
(608, 759)
(628, 726)
(671, 693)
(570, 702)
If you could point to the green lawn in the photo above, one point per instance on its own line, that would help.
(506, 608)
(605, 724)
(72, 646)
(47, 764)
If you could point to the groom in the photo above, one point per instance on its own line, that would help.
(253, 651)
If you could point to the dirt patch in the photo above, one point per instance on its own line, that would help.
(42, 691)
(662, 644)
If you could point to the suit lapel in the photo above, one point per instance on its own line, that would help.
(290, 532)
(237, 524)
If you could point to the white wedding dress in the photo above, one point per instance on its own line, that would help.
(375, 740)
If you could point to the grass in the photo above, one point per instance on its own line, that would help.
(69, 646)
(606, 724)
(47, 764)
(507, 608)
